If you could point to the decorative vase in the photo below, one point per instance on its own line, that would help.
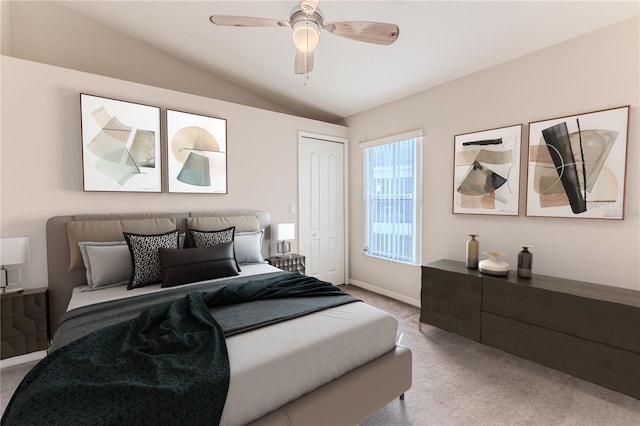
(493, 265)
(473, 251)
(525, 262)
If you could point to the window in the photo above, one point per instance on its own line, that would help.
(392, 168)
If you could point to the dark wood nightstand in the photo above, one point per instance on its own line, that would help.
(292, 263)
(24, 323)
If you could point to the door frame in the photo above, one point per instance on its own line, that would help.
(345, 183)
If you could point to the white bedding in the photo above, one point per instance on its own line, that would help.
(84, 295)
(274, 365)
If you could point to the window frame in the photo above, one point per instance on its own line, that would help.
(417, 195)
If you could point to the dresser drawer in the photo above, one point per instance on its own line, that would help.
(19, 304)
(611, 367)
(24, 344)
(597, 320)
(24, 323)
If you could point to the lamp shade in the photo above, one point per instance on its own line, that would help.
(284, 231)
(306, 35)
(14, 251)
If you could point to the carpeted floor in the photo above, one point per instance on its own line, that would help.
(457, 381)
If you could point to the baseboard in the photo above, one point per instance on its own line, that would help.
(392, 294)
(22, 359)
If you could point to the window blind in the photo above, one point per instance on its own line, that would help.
(392, 205)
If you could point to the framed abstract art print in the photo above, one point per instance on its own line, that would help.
(120, 145)
(577, 165)
(197, 153)
(486, 178)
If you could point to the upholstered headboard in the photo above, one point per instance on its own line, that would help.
(65, 268)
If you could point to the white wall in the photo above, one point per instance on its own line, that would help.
(596, 71)
(40, 154)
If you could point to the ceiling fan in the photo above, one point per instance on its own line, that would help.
(307, 21)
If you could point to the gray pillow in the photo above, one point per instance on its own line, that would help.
(183, 266)
(145, 256)
(248, 247)
(107, 263)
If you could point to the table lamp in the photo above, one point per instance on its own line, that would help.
(13, 252)
(283, 232)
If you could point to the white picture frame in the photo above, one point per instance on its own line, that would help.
(120, 145)
(196, 153)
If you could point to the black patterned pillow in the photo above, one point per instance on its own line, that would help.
(145, 256)
(212, 238)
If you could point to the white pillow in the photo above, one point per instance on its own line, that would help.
(248, 247)
(107, 263)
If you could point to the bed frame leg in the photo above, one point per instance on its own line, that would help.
(402, 397)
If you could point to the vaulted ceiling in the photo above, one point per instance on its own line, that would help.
(439, 41)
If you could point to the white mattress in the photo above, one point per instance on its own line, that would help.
(274, 365)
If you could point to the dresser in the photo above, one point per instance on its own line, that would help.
(451, 298)
(588, 330)
(24, 322)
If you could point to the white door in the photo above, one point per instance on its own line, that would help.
(321, 206)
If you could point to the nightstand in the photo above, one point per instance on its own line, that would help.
(291, 263)
(24, 323)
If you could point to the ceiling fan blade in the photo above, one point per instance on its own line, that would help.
(246, 21)
(304, 62)
(369, 32)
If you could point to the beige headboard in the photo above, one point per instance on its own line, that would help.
(62, 278)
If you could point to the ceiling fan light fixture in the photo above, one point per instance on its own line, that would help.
(306, 35)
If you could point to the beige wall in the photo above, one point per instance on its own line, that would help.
(596, 71)
(48, 32)
(40, 153)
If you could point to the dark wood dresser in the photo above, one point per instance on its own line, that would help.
(588, 330)
(24, 322)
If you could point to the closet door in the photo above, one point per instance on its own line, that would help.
(321, 206)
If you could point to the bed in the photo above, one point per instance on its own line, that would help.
(357, 367)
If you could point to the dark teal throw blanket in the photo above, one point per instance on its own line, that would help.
(167, 366)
